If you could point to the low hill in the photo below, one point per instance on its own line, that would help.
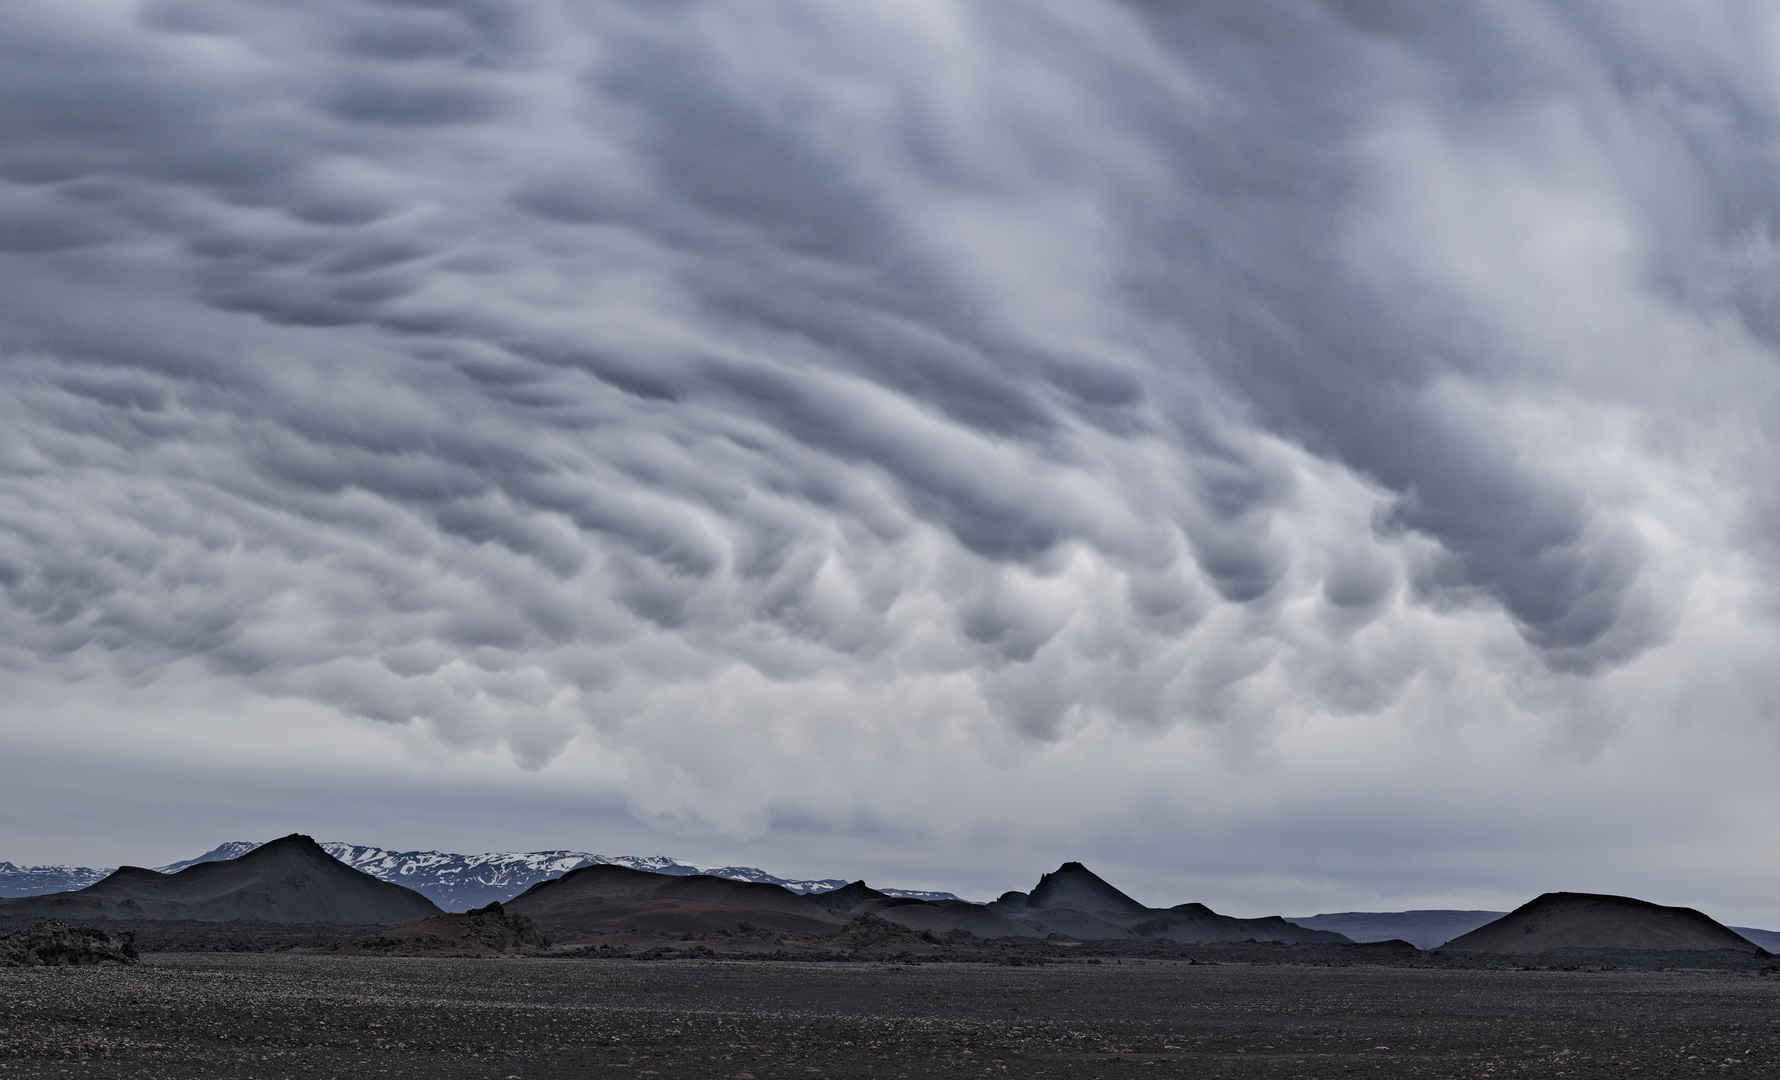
(1425, 929)
(599, 901)
(291, 880)
(1562, 921)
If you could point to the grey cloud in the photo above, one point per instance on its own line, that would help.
(1358, 583)
(409, 101)
(708, 379)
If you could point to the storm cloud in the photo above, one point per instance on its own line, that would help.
(913, 421)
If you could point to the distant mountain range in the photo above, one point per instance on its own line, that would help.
(294, 882)
(605, 903)
(460, 882)
(452, 881)
(16, 880)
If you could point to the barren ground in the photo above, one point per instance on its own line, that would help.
(290, 1015)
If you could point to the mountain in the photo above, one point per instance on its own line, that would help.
(1767, 939)
(937, 916)
(290, 880)
(1560, 921)
(461, 882)
(596, 902)
(454, 882)
(610, 900)
(1074, 901)
(458, 881)
(16, 880)
(1425, 929)
(1073, 885)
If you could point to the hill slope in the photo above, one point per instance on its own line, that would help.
(1560, 921)
(290, 880)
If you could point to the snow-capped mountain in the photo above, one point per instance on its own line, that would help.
(454, 882)
(16, 880)
(459, 882)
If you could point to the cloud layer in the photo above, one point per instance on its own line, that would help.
(913, 423)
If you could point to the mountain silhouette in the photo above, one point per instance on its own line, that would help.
(290, 880)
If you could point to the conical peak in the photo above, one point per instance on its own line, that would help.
(1073, 885)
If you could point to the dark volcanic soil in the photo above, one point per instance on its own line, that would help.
(320, 1016)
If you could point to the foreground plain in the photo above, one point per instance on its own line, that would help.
(291, 1015)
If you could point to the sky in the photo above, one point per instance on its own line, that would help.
(1296, 456)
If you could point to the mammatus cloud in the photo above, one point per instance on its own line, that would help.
(768, 398)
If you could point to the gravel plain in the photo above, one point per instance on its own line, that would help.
(297, 1015)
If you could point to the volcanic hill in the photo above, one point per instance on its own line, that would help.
(1562, 921)
(290, 880)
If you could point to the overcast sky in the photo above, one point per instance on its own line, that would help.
(1295, 456)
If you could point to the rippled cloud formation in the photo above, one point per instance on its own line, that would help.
(936, 421)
